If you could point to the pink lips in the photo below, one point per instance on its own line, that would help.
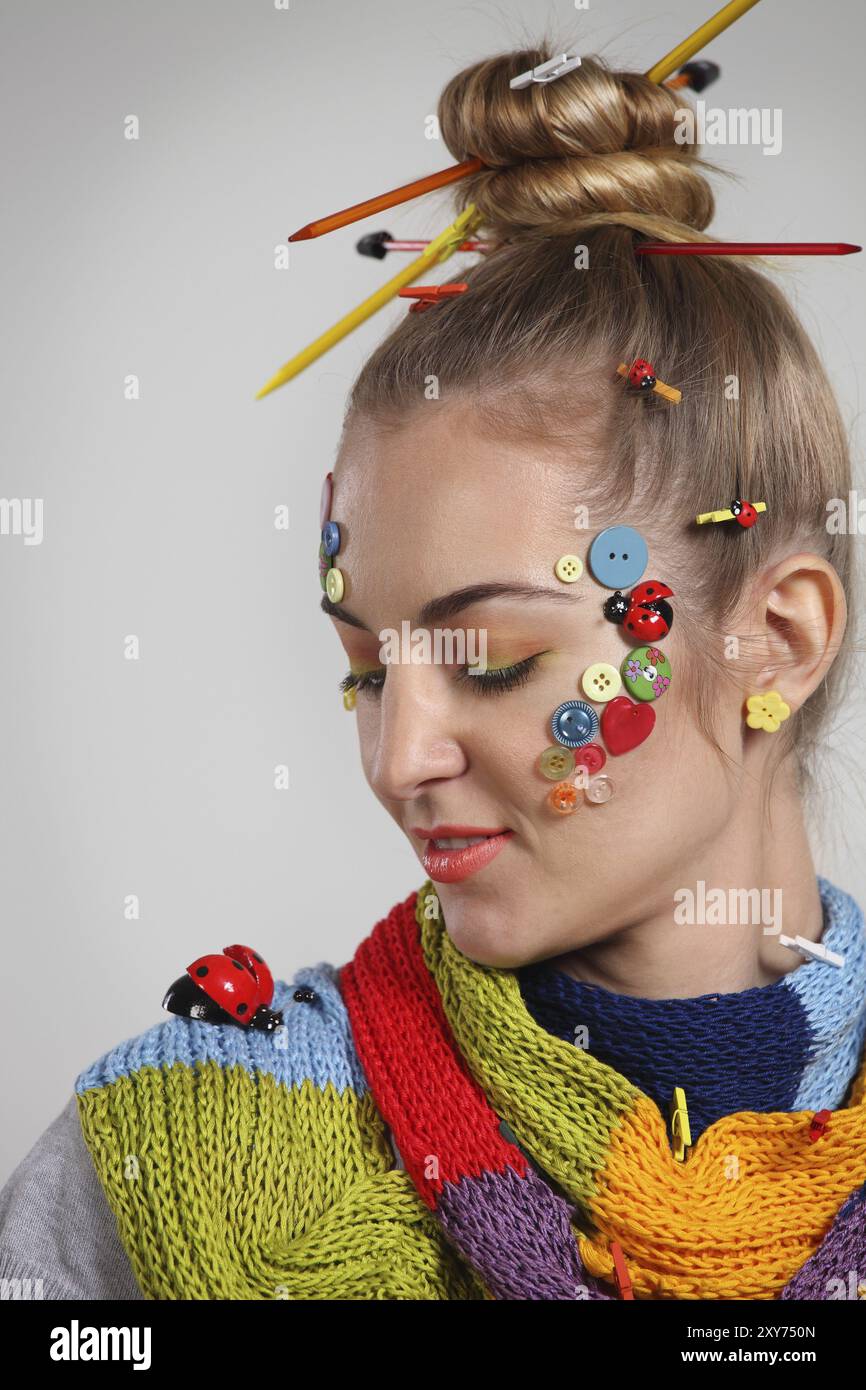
(453, 865)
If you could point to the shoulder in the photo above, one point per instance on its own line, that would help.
(315, 1043)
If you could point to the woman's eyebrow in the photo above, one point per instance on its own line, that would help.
(437, 610)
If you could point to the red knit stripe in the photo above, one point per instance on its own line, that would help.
(441, 1120)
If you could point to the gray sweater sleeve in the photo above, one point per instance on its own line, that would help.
(56, 1225)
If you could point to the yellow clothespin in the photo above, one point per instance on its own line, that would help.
(438, 250)
(680, 1131)
(726, 514)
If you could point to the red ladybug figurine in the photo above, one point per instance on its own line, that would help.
(235, 987)
(642, 374)
(744, 512)
(645, 613)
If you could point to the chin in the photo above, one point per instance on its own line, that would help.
(487, 935)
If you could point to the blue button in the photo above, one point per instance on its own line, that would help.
(331, 537)
(574, 723)
(618, 557)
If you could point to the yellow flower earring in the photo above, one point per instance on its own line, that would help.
(766, 711)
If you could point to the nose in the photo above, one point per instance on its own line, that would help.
(417, 738)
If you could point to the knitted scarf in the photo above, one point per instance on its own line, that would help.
(452, 1052)
(244, 1165)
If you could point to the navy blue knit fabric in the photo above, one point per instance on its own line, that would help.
(750, 1050)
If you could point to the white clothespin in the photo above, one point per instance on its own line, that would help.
(812, 950)
(547, 72)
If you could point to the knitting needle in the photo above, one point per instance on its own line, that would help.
(747, 248)
(699, 39)
(667, 65)
(439, 249)
(387, 200)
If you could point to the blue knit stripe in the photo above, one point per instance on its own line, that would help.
(793, 1045)
(318, 1042)
(833, 999)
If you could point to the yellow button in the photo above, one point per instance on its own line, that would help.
(601, 681)
(556, 763)
(334, 585)
(568, 568)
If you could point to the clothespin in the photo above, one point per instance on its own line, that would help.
(641, 374)
(429, 294)
(620, 1271)
(819, 1124)
(744, 517)
(547, 72)
(680, 1131)
(812, 950)
(662, 69)
(439, 249)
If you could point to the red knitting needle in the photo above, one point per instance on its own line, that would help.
(387, 200)
(747, 248)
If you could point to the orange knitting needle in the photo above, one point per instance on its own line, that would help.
(387, 200)
(662, 69)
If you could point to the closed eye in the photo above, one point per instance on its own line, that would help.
(496, 681)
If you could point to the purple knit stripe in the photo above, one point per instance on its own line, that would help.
(515, 1233)
(841, 1254)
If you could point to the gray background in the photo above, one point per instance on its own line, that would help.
(156, 257)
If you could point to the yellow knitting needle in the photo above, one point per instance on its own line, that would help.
(699, 39)
(438, 250)
(444, 245)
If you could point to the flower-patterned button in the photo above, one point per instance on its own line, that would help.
(600, 682)
(324, 565)
(568, 568)
(646, 673)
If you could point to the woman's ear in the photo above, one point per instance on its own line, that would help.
(800, 607)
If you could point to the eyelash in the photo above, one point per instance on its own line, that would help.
(497, 682)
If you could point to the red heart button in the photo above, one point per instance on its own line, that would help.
(626, 724)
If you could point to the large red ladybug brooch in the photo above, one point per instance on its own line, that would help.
(645, 613)
(236, 987)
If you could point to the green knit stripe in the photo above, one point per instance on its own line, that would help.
(229, 1185)
(518, 1064)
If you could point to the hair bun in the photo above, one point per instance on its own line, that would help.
(593, 146)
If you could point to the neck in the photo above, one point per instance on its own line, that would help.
(721, 937)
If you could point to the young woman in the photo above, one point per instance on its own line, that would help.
(587, 1058)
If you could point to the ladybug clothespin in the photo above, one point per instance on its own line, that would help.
(680, 1131)
(620, 1271)
(819, 1124)
(235, 987)
(746, 513)
(642, 375)
(645, 613)
(429, 294)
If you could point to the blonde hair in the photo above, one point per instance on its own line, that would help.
(591, 161)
